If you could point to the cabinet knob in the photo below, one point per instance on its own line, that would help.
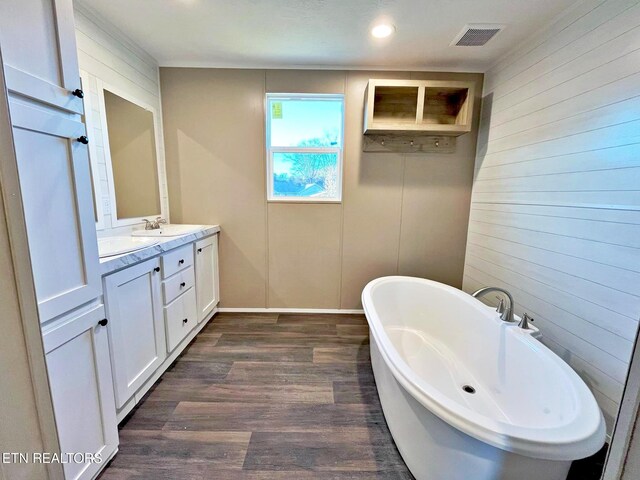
(183, 284)
(199, 250)
(180, 262)
(157, 269)
(78, 93)
(103, 322)
(83, 139)
(185, 320)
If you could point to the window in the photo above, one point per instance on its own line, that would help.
(304, 147)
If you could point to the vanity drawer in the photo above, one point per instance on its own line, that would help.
(177, 260)
(177, 284)
(181, 316)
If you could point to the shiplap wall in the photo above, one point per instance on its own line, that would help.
(107, 55)
(555, 215)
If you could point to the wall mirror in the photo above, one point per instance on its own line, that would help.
(131, 151)
(125, 158)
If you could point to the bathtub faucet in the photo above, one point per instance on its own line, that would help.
(507, 313)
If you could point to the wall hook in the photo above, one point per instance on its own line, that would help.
(408, 144)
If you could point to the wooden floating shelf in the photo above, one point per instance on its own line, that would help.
(410, 107)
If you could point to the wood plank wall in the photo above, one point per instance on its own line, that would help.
(555, 214)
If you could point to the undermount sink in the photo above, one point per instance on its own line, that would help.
(110, 246)
(170, 230)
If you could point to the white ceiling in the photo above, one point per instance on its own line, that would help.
(323, 33)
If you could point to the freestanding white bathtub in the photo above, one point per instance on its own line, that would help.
(432, 345)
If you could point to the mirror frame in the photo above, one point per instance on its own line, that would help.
(115, 221)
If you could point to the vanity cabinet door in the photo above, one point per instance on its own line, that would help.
(136, 326)
(55, 184)
(39, 49)
(77, 355)
(207, 279)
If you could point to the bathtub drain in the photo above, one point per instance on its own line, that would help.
(469, 389)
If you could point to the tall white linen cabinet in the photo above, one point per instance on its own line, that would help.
(37, 41)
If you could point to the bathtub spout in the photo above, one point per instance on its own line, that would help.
(507, 312)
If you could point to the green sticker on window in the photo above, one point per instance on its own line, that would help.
(276, 110)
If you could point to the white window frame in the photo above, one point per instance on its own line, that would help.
(271, 150)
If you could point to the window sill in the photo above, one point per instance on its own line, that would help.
(295, 200)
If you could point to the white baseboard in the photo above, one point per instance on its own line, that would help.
(290, 310)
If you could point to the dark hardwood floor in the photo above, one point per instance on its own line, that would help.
(261, 397)
(269, 397)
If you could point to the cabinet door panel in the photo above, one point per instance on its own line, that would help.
(56, 192)
(136, 326)
(39, 49)
(77, 356)
(207, 283)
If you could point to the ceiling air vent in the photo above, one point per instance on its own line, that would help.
(476, 34)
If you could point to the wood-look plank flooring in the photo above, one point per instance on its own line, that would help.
(265, 396)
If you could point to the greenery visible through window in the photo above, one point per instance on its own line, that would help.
(304, 147)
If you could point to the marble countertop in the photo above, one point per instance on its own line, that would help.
(117, 262)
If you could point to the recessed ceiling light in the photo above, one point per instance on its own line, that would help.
(383, 30)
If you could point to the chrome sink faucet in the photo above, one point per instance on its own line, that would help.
(505, 311)
(155, 225)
